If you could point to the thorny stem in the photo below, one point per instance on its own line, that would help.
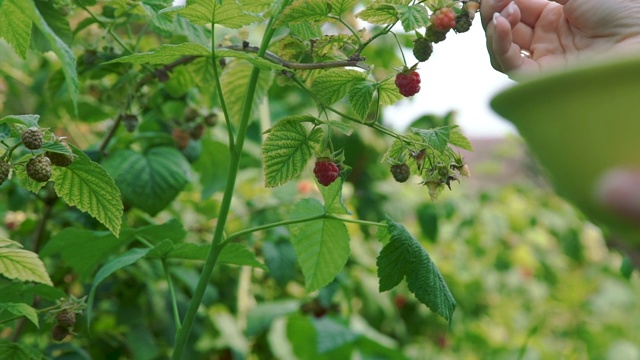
(217, 244)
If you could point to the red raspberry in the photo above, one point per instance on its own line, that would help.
(326, 171)
(444, 19)
(408, 83)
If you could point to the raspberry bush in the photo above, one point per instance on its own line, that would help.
(176, 100)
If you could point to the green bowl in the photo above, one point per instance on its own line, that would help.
(580, 123)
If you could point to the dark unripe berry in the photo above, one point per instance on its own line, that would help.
(59, 333)
(326, 171)
(39, 169)
(400, 172)
(5, 168)
(422, 49)
(66, 318)
(408, 83)
(60, 159)
(130, 122)
(197, 131)
(32, 138)
(181, 138)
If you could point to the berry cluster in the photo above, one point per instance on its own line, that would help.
(65, 320)
(326, 171)
(188, 130)
(38, 167)
(444, 19)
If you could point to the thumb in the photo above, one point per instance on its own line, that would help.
(619, 191)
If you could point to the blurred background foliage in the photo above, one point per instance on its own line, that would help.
(532, 277)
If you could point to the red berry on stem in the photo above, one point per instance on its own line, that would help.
(408, 83)
(444, 19)
(326, 171)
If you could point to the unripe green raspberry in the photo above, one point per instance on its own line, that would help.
(463, 23)
(435, 36)
(5, 168)
(32, 138)
(422, 49)
(400, 172)
(39, 169)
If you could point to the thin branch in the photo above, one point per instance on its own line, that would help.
(355, 61)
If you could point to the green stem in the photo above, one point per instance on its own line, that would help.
(373, 125)
(218, 237)
(299, 221)
(21, 316)
(218, 85)
(355, 34)
(7, 154)
(375, 36)
(172, 293)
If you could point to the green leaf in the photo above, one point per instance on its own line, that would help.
(150, 180)
(165, 54)
(232, 254)
(332, 85)
(457, 139)
(333, 201)
(339, 7)
(23, 265)
(27, 120)
(15, 27)
(287, 149)
(309, 11)
(4, 242)
(83, 250)
(305, 31)
(87, 186)
(228, 14)
(111, 266)
(18, 351)
(413, 17)
(239, 254)
(379, 14)
(21, 309)
(341, 126)
(280, 258)
(262, 315)
(437, 138)
(56, 20)
(62, 50)
(155, 233)
(360, 97)
(403, 256)
(322, 246)
(388, 92)
(235, 81)
(213, 166)
(332, 335)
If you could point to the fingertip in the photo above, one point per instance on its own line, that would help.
(619, 191)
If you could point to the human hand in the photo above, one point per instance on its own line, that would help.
(619, 191)
(530, 36)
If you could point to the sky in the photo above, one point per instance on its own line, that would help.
(459, 77)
